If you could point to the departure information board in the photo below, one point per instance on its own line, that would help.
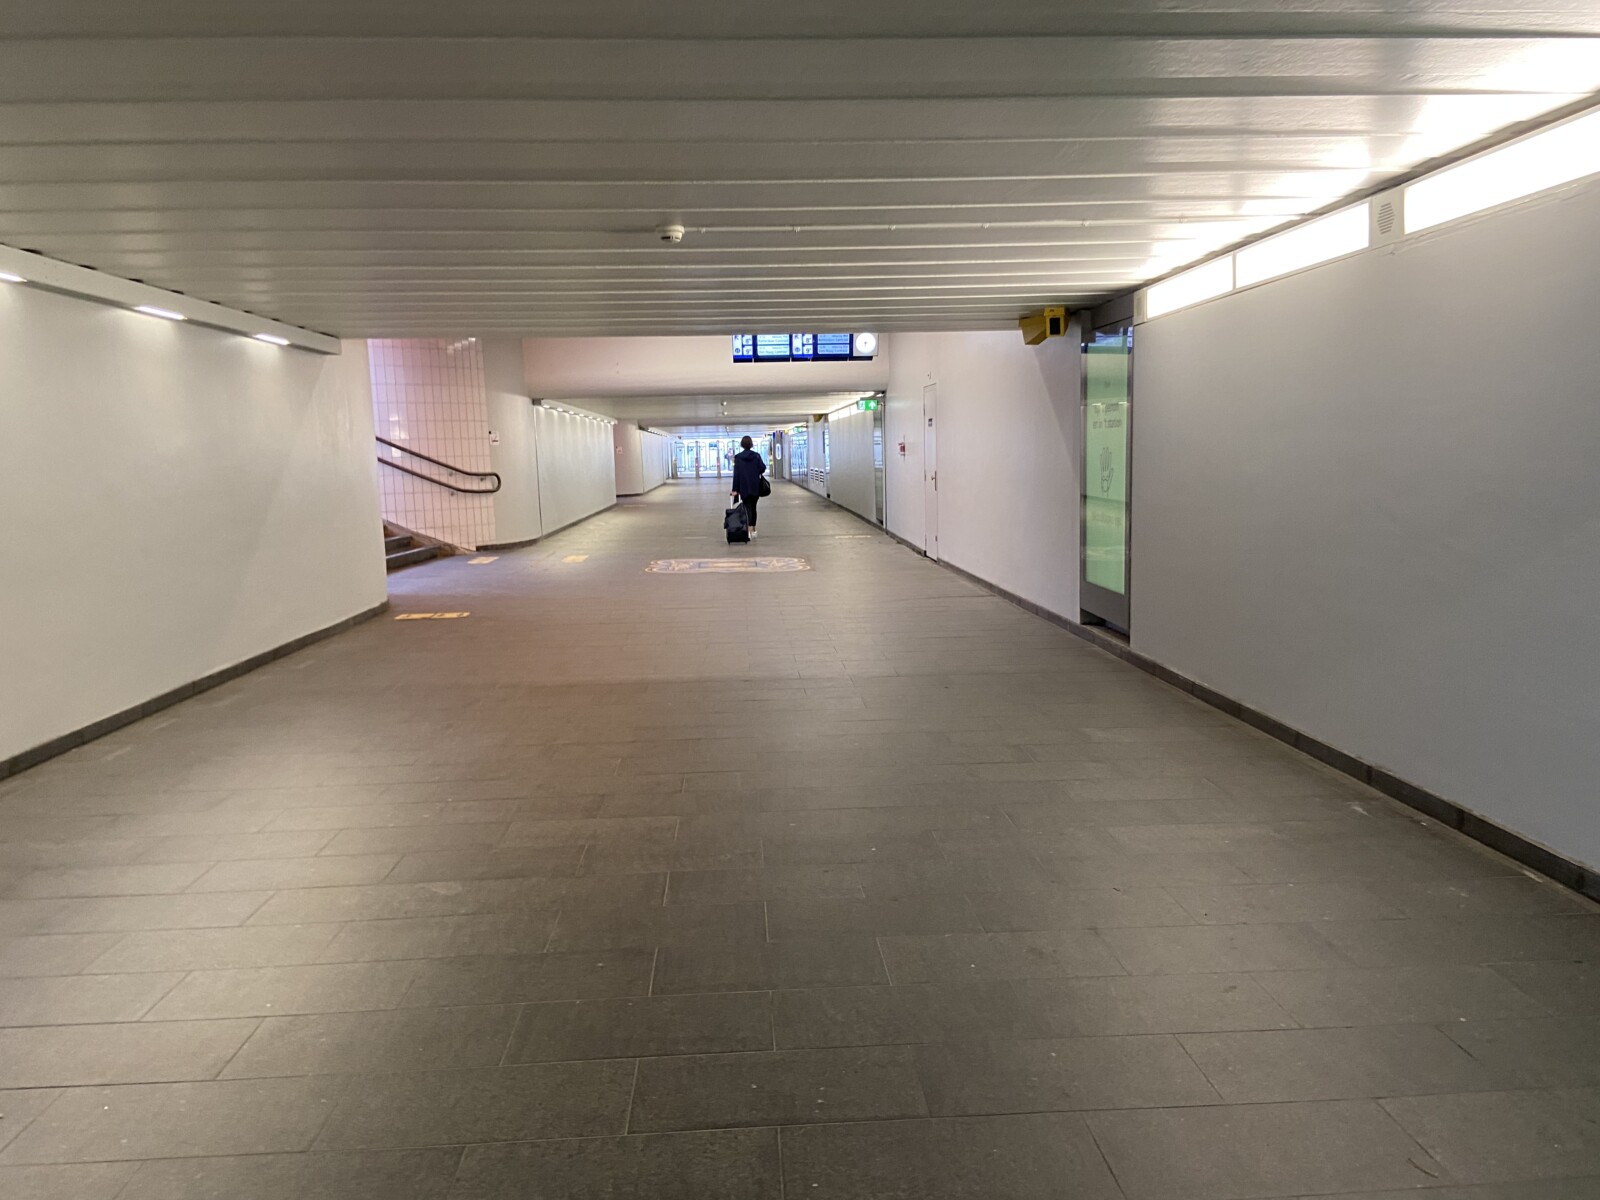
(772, 347)
(835, 345)
(804, 347)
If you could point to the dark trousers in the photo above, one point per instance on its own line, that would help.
(749, 503)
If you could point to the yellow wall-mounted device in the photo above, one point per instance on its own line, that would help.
(1048, 323)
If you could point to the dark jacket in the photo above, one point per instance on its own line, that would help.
(748, 468)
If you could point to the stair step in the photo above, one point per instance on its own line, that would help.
(399, 541)
(406, 558)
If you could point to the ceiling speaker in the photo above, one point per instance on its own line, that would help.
(1387, 216)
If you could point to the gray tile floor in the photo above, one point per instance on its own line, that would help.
(849, 884)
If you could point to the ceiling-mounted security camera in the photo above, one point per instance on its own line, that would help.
(1048, 323)
(672, 234)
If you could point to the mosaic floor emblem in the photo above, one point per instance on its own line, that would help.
(701, 566)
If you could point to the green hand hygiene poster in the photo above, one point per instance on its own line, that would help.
(1105, 460)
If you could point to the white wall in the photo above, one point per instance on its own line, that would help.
(511, 417)
(466, 402)
(429, 395)
(629, 458)
(656, 366)
(852, 481)
(1366, 501)
(911, 367)
(1008, 418)
(655, 457)
(577, 472)
(644, 458)
(177, 500)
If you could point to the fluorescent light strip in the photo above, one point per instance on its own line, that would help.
(271, 339)
(1304, 246)
(1204, 282)
(552, 406)
(82, 283)
(1562, 154)
(1550, 158)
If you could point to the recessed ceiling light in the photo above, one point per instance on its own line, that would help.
(8, 277)
(1199, 283)
(271, 339)
(166, 314)
(1304, 246)
(1547, 159)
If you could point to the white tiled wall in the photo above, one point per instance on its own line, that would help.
(430, 395)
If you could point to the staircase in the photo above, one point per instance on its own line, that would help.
(401, 550)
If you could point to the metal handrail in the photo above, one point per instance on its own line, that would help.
(465, 491)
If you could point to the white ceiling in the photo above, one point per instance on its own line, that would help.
(398, 168)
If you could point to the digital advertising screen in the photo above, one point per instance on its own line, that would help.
(1105, 452)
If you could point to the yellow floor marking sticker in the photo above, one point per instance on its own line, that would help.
(478, 562)
(430, 616)
(575, 558)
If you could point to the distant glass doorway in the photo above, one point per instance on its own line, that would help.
(712, 457)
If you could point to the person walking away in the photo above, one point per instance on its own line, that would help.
(748, 468)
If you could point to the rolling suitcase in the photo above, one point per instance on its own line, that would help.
(737, 524)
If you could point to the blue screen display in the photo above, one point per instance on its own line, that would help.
(797, 347)
(834, 345)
